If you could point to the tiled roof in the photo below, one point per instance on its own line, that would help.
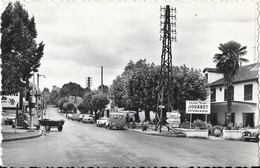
(245, 73)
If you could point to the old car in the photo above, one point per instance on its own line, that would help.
(8, 118)
(251, 134)
(103, 121)
(88, 118)
(116, 120)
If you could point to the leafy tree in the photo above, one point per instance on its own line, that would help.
(54, 94)
(61, 101)
(99, 102)
(228, 62)
(105, 89)
(189, 84)
(137, 87)
(87, 100)
(46, 95)
(68, 106)
(71, 89)
(21, 54)
(81, 107)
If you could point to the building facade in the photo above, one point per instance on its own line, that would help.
(245, 94)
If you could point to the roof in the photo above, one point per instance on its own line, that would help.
(245, 73)
(211, 70)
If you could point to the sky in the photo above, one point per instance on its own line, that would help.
(82, 36)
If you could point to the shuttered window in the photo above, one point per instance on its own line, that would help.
(248, 90)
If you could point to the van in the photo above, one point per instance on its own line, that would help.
(116, 120)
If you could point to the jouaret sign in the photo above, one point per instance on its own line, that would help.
(197, 107)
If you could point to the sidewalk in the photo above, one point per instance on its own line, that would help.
(10, 134)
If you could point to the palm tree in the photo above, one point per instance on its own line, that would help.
(228, 63)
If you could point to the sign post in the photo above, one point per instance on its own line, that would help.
(197, 107)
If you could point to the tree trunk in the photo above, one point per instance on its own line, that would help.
(229, 104)
(147, 115)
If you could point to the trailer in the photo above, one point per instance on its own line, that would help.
(51, 123)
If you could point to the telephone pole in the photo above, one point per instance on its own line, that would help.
(167, 35)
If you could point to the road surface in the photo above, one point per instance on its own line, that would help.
(81, 144)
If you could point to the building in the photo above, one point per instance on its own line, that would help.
(244, 96)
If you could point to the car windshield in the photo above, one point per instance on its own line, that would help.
(103, 118)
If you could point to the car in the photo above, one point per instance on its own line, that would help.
(11, 118)
(80, 118)
(75, 116)
(250, 134)
(88, 118)
(4, 118)
(8, 118)
(116, 120)
(103, 121)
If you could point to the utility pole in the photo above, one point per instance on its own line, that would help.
(101, 79)
(88, 83)
(167, 35)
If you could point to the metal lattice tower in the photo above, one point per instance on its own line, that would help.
(167, 35)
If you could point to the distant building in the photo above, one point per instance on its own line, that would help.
(244, 98)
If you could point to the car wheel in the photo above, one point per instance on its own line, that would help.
(60, 127)
(47, 127)
(37, 127)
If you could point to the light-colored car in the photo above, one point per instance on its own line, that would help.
(88, 118)
(81, 116)
(103, 121)
(8, 118)
(250, 134)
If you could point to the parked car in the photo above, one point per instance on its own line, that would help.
(8, 119)
(88, 118)
(4, 118)
(75, 116)
(103, 121)
(250, 134)
(80, 117)
(116, 120)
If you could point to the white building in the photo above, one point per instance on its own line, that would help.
(244, 98)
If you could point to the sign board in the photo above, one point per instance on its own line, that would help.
(197, 107)
(173, 119)
(10, 101)
(32, 92)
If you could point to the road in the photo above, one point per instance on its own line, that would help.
(80, 144)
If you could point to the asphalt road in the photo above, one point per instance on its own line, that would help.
(81, 144)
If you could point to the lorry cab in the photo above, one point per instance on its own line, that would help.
(116, 120)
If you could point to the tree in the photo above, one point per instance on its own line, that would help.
(228, 62)
(46, 95)
(99, 102)
(87, 100)
(21, 54)
(62, 101)
(188, 84)
(54, 94)
(71, 89)
(138, 87)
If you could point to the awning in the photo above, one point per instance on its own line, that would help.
(237, 106)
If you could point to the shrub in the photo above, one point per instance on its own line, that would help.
(186, 125)
(200, 124)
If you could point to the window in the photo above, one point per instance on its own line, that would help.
(232, 94)
(213, 95)
(207, 77)
(248, 90)
(248, 119)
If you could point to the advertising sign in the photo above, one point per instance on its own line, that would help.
(10, 101)
(197, 107)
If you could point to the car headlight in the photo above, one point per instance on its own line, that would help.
(113, 123)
